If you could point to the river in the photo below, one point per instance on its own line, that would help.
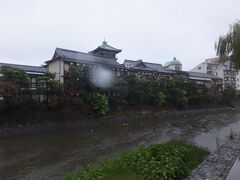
(51, 155)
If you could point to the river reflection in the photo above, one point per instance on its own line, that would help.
(48, 156)
(216, 137)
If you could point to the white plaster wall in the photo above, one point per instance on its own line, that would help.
(174, 67)
(220, 71)
(171, 67)
(57, 68)
(66, 67)
(202, 66)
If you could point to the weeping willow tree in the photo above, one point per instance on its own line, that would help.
(228, 46)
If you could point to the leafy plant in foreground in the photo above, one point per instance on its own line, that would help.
(172, 160)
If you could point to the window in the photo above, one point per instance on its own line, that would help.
(199, 67)
(33, 80)
(226, 73)
(199, 82)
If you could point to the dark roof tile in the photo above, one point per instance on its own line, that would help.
(27, 68)
(202, 75)
(80, 57)
(147, 66)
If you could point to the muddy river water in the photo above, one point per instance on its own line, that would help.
(51, 155)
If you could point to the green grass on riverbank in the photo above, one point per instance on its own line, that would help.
(172, 160)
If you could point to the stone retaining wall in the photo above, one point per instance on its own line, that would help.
(218, 165)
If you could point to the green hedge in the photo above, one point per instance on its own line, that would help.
(172, 160)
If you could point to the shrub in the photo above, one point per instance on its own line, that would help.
(16, 76)
(179, 98)
(99, 104)
(9, 93)
(14, 85)
(160, 98)
(229, 94)
(172, 160)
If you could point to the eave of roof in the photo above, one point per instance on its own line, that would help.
(151, 66)
(92, 63)
(200, 78)
(81, 57)
(26, 68)
(157, 67)
(107, 47)
(203, 75)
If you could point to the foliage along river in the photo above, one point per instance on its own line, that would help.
(50, 155)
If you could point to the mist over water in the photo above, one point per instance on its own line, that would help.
(102, 77)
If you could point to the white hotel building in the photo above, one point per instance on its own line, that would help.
(225, 71)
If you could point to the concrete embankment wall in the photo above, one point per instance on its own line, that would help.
(218, 165)
(90, 123)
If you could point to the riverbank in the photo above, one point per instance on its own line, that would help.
(124, 119)
(218, 165)
(171, 160)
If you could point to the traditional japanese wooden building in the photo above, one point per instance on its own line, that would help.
(33, 72)
(213, 83)
(174, 64)
(141, 69)
(103, 56)
(106, 51)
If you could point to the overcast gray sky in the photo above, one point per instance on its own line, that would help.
(152, 30)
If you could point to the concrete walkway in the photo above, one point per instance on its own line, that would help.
(218, 165)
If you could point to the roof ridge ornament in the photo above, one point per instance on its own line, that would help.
(104, 41)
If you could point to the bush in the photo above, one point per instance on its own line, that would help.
(16, 76)
(172, 160)
(228, 95)
(160, 98)
(99, 104)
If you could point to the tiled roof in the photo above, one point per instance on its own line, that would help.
(140, 65)
(107, 47)
(202, 75)
(80, 57)
(26, 68)
(157, 67)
